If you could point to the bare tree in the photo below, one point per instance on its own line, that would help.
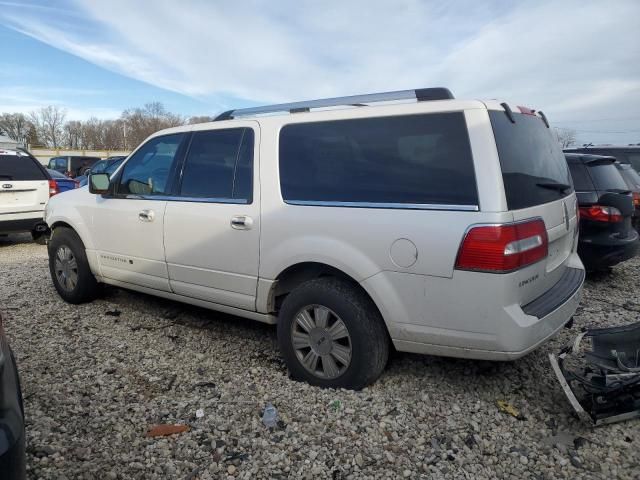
(566, 137)
(142, 122)
(16, 126)
(200, 119)
(49, 123)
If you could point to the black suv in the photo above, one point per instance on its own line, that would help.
(632, 178)
(607, 236)
(629, 154)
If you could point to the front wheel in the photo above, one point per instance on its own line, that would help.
(69, 267)
(332, 335)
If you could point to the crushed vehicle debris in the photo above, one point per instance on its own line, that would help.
(603, 383)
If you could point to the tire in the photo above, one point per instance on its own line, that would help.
(85, 288)
(329, 301)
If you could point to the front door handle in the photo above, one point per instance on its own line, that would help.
(241, 222)
(146, 216)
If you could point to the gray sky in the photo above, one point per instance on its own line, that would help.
(579, 61)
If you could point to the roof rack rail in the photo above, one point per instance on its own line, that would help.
(419, 94)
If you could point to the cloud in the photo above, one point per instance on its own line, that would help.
(574, 59)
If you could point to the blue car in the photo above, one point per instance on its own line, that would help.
(63, 182)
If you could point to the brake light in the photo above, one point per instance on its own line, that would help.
(503, 248)
(526, 110)
(600, 213)
(53, 188)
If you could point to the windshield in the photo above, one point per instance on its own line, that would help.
(534, 169)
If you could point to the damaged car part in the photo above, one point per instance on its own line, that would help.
(607, 388)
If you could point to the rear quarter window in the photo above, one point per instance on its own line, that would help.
(529, 156)
(19, 168)
(402, 160)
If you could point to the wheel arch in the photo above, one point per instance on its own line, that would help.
(298, 273)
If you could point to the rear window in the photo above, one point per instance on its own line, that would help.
(16, 167)
(606, 177)
(531, 160)
(581, 180)
(413, 159)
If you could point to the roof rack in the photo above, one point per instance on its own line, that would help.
(419, 94)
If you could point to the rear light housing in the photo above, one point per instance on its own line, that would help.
(503, 248)
(636, 199)
(601, 213)
(53, 188)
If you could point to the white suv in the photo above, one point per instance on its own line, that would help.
(440, 226)
(25, 188)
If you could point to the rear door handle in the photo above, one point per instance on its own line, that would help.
(146, 216)
(241, 222)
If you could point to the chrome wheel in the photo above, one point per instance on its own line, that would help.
(66, 268)
(321, 341)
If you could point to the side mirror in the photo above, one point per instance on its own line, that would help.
(99, 183)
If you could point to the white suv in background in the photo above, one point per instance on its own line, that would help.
(410, 218)
(25, 188)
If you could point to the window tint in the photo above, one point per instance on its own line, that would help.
(61, 164)
(113, 167)
(581, 180)
(606, 177)
(99, 167)
(147, 171)
(632, 175)
(19, 167)
(634, 160)
(219, 164)
(529, 156)
(413, 159)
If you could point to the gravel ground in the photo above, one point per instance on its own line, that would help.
(95, 383)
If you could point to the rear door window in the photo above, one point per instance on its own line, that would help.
(19, 168)
(393, 161)
(219, 165)
(531, 159)
(581, 180)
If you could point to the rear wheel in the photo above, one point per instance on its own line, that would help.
(332, 335)
(69, 267)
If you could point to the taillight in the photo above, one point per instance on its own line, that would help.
(600, 213)
(53, 188)
(636, 199)
(76, 184)
(503, 248)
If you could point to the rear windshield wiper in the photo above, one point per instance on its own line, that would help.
(560, 187)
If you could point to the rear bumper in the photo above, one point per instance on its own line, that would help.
(21, 224)
(466, 318)
(603, 255)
